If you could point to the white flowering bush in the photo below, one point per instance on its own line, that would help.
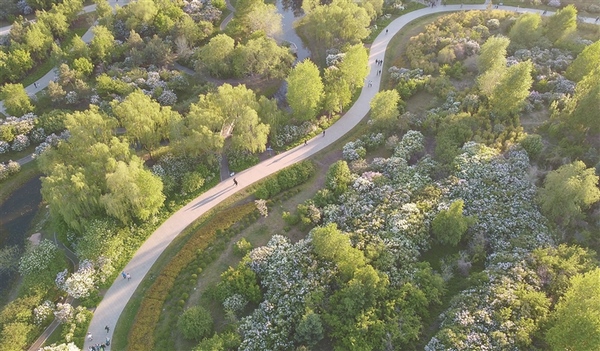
(42, 312)
(235, 303)
(288, 133)
(61, 347)
(38, 135)
(167, 98)
(38, 257)
(81, 283)
(8, 169)
(4, 147)
(20, 143)
(64, 312)
(354, 150)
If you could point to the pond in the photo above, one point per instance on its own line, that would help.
(16, 215)
(291, 11)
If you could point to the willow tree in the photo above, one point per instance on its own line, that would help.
(305, 90)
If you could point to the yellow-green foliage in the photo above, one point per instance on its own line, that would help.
(141, 335)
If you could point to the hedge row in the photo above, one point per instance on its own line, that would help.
(141, 335)
(285, 179)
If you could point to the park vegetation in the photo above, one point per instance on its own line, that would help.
(475, 232)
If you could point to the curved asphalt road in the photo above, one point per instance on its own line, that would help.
(117, 296)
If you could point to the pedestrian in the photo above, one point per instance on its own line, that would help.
(305, 142)
(89, 336)
(35, 84)
(235, 182)
(107, 341)
(124, 275)
(379, 72)
(597, 19)
(386, 31)
(323, 132)
(107, 329)
(128, 276)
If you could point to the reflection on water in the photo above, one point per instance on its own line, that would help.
(291, 11)
(16, 214)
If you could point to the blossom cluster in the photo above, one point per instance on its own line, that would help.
(38, 257)
(201, 10)
(79, 284)
(288, 133)
(9, 168)
(43, 312)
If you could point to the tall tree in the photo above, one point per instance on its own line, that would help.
(339, 23)
(526, 31)
(575, 324)
(144, 119)
(262, 57)
(450, 225)
(562, 23)
(492, 63)
(582, 110)
(132, 192)
(384, 109)
(15, 98)
(336, 93)
(215, 56)
(102, 44)
(355, 66)
(585, 62)
(232, 111)
(568, 191)
(511, 90)
(305, 90)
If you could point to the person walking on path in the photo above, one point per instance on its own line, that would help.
(128, 277)
(305, 141)
(386, 31)
(124, 275)
(35, 84)
(89, 336)
(323, 132)
(107, 328)
(235, 182)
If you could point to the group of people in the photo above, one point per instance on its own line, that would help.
(125, 276)
(99, 347)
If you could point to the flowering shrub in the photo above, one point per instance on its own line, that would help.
(61, 347)
(4, 147)
(81, 283)
(20, 143)
(8, 169)
(167, 98)
(354, 150)
(37, 258)
(261, 206)
(64, 312)
(288, 133)
(235, 303)
(38, 135)
(42, 312)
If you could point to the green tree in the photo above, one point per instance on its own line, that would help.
(132, 192)
(195, 323)
(158, 52)
(562, 24)
(355, 66)
(309, 330)
(384, 109)
(55, 21)
(262, 57)
(15, 99)
(491, 63)
(568, 191)
(585, 62)
(144, 119)
(336, 24)
(582, 111)
(102, 44)
(215, 57)
(83, 67)
(232, 111)
(511, 90)
(336, 92)
(38, 40)
(141, 13)
(338, 177)
(305, 90)
(450, 225)
(575, 322)
(333, 245)
(526, 31)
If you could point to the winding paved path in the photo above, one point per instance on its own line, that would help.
(117, 296)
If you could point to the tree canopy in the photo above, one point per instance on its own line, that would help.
(305, 90)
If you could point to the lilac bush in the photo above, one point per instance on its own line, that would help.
(37, 258)
(20, 143)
